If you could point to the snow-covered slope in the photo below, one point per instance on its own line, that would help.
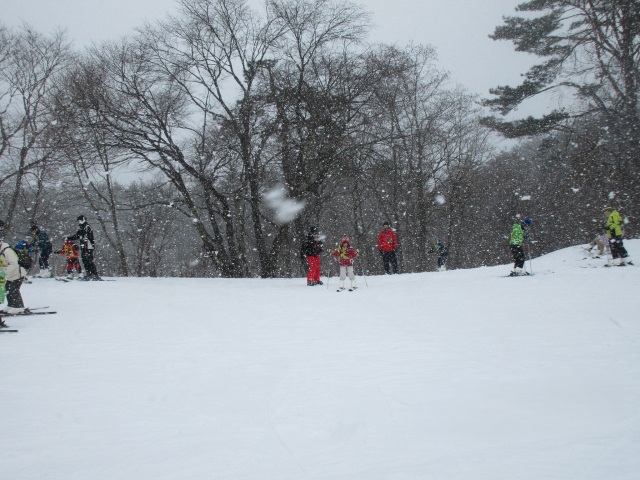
(464, 374)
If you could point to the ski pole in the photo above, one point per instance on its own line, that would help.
(364, 277)
(328, 276)
(530, 263)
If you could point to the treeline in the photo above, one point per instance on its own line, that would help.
(232, 119)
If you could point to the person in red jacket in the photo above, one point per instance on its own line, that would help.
(70, 250)
(387, 245)
(346, 253)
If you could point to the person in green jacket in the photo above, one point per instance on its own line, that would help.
(516, 241)
(613, 229)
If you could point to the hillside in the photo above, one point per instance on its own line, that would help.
(463, 374)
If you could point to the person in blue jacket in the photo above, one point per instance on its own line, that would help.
(41, 242)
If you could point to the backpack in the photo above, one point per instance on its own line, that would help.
(24, 260)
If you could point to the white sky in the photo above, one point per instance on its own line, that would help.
(458, 29)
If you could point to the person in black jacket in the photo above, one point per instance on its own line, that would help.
(310, 250)
(84, 236)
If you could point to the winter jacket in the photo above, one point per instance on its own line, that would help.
(439, 248)
(41, 240)
(517, 234)
(345, 255)
(69, 250)
(387, 241)
(85, 237)
(614, 224)
(311, 247)
(9, 263)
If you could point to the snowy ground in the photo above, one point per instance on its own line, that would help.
(455, 375)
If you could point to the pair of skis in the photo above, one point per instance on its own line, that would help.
(349, 290)
(30, 312)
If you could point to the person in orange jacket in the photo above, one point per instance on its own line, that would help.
(346, 254)
(70, 250)
(387, 245)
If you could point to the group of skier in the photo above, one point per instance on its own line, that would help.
(313, 245)
(15, 261)
(609, 238)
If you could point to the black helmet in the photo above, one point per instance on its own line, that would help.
(81, 218)
(33, 228)
(313, 230)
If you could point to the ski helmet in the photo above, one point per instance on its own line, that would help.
(528, 222)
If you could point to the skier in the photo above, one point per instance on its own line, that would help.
(13, 274)
(346, 254)
(518, 236)
(613, 228)
(42, 243)
(599, 242)
(387, 245)
(443, 252)
(87, 247)
(310, 251)
(70, 251)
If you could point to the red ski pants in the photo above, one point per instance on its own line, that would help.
(313, 275)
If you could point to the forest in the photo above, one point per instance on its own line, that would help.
(207, 144)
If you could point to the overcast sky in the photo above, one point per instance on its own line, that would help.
(458, 29)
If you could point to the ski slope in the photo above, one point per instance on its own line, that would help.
(463, 374)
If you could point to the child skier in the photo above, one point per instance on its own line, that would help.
(70, 251)
(346, 254)
(443, 252)
(600, 242)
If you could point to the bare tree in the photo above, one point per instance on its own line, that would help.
(30, 65)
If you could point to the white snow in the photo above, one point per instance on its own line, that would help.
(456, 375)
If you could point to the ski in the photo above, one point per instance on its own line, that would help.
(26, 314)
(8, 330)
(519, 275)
